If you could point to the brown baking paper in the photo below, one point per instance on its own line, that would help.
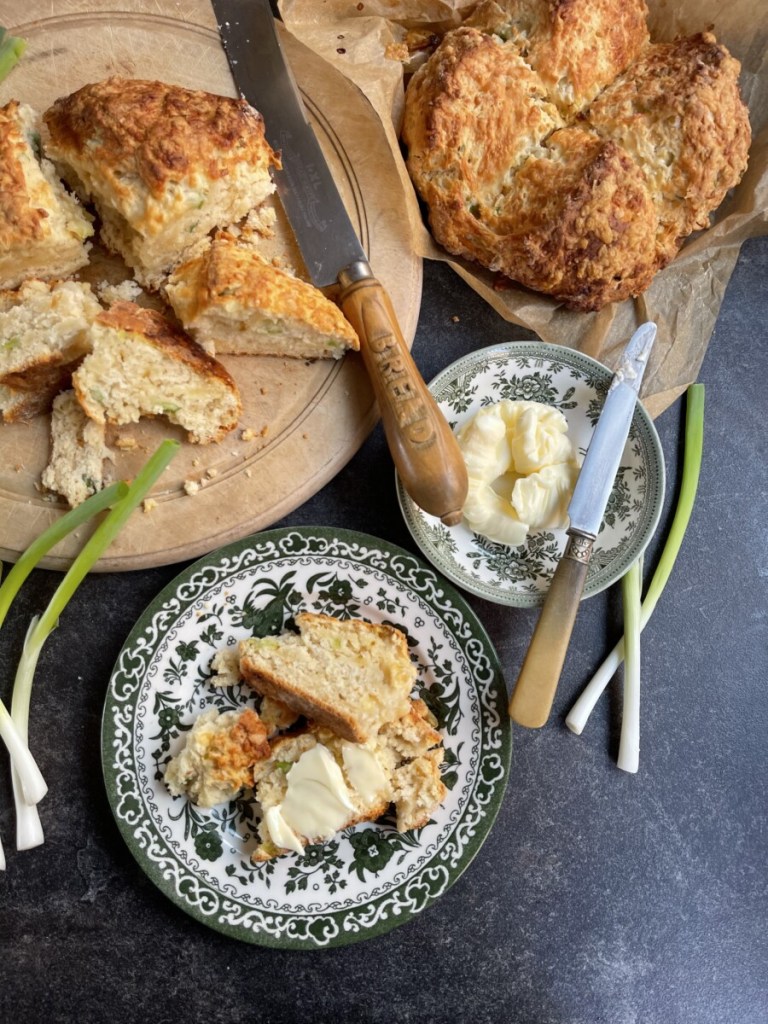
(367, 42)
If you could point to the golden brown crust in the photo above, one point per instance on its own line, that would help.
(235, 752)
(586, 206)
(575, 46)
(232, 279)
(160, 332)
(157, 132)
(678, 113)
(21, 221)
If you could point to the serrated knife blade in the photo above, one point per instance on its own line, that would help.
(423, 447)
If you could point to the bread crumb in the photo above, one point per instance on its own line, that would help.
(248, 434)
(126, 291)
(455, 319)
(249, 473)
(126, 444)
(211, 473)
(191, 486)
(149, 504)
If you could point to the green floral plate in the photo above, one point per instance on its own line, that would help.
(369, 878)
(577, 385)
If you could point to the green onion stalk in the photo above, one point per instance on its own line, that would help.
(31, 778)
(694, 446)
(28, 830)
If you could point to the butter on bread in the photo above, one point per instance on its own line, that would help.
(43, 229)
(143, 365)
(44, 332)
(552, 143)
(163, 165)
(350, 676)
(407, 756)
(232, 300)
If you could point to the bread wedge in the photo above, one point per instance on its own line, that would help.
(143, 365)
(232, 300)
(43, 229)
(75, 468)
(44, 332)
(163, 165)
(348, 675)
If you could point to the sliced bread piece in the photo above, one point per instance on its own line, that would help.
(349, 675)
(143, 365)
(231, 299)
(43, 229)
(162, 164)
(75, 468)
(314, 783)
(44, 332)
(218, 757)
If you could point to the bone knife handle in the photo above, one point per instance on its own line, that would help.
(534, 691)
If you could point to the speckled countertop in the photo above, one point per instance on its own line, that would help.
(598, 898)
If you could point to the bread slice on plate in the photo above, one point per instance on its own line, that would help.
(314, 783)
(231, 299)
(75, 468)
(163, 165)
(44, 331)
(43, 229)
(217, 760)
(143, 365)
(348, 675)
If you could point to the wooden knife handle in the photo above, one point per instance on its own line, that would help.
(535, 689)
(423, 447)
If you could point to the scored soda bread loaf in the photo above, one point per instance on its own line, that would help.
(348, 675)
(75, 467)
(43, 229)
(163, 165)
(44, 332)
(400, 766)
(231, 299)
(143, 365)
(218, 757)
(583, 202)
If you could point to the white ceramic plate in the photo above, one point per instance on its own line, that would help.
(370, 877)
(577, 385)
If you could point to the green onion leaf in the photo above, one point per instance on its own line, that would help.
(694, 446)
(11, 49)
(39, 631)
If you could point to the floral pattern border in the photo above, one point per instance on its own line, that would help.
(387, 876)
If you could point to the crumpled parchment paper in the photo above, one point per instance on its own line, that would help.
(366, 40)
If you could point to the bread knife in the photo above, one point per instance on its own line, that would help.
(535, 688)
(423, 447)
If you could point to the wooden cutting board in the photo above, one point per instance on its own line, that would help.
(301, 421)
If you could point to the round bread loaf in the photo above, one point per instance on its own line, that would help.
(550, 141)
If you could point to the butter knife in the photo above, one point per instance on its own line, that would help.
(423, 447)
(536, 684)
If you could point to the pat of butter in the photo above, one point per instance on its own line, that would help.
(316, 803)
(521, 467)
(541, 498)
(365, 773)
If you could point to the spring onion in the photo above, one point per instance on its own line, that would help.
(694, 444)
(31, 779)
(631, 592)
(11, 49)
(39, 630)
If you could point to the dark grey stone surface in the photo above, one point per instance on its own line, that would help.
(598, 898)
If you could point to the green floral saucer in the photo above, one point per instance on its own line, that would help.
(369, 878)
(577, 385)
